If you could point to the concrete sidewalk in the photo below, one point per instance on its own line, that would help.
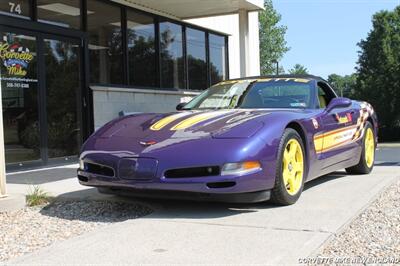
(194, 233)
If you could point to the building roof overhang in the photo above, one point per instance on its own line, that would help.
(187, 9)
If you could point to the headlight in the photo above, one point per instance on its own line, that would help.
(81, 164)
(240, 168)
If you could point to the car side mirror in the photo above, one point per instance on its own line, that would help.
(339, 102)
(180, 106)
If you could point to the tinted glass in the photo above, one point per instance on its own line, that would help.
(217, 58)
(105, 43)
(171, 48)
(16, 8)
(62, 83)
(278, 94)
(19, 89)
(197, 63)
(141, 47)
(64, 13)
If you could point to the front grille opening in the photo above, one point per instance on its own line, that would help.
(192, 172)
(221, 184)
(99, 169)
(83, 178)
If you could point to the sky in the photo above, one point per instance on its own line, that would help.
(323, 34)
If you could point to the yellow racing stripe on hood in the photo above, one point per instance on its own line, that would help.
(160, 124)
(191, 121)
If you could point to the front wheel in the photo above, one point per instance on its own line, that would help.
(367, 158)
(290, 172)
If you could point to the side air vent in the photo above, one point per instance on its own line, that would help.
(99, 169)
(193, 172)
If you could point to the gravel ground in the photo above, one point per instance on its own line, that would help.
(374, 234)
(29, 229)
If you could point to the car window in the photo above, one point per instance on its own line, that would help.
(224, 95)
(325, 94)
(278, 93)
(321, 100)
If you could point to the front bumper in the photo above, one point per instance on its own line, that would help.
(245, 188)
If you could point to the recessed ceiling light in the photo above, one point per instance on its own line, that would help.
(64, 9)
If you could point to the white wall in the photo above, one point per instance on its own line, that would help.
(108, 102)
(229, 24)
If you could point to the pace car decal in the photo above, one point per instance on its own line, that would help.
(285, 79)
(191, 121)
(167, 120)
(188, 122)
(337, 138)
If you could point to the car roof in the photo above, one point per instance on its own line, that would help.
(312, 77)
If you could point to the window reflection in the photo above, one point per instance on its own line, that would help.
(64, 13)
(62, 87)
(217, 58)
(141, 48)
(19, 89)
(171, 48)
(196, 56)
(105, 43)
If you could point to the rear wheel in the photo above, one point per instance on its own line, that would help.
(289, 180)
(367, 158)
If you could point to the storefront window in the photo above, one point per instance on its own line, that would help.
(105, 43)
(217, 58)
(19, 89)
(15, 8)
(141, 49)
(64, 13)
(171, 48)
(62, 60)
(196, 56)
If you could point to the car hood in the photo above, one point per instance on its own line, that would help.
(238, 123)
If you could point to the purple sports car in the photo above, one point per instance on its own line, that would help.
(242, 140)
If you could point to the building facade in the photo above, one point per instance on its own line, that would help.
(69, 66)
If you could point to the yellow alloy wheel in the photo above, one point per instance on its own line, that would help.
(369, 148)
(293, 167)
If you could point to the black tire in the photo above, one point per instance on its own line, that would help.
(362, 168)
(279, 194)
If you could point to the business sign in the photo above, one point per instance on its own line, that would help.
(15, 58)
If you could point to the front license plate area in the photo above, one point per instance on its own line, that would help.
(137, 168)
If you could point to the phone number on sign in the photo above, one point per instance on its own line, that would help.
(17, 85)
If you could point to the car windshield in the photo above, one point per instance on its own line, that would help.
(264, 93)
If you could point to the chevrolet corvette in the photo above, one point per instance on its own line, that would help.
(241, 140)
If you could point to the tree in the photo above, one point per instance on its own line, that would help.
(272, 39)
(298, 70)
(378, 70)
(343, 85)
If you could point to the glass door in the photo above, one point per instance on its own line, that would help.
(19, 87)
(41, 83)
(62, 82)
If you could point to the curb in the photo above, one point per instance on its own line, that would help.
(389, 145)
(13, 202)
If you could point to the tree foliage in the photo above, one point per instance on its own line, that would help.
(343, 85)
(272, 39)
(298, 70)
(378, 70)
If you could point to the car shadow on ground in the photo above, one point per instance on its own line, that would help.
(121, 206)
